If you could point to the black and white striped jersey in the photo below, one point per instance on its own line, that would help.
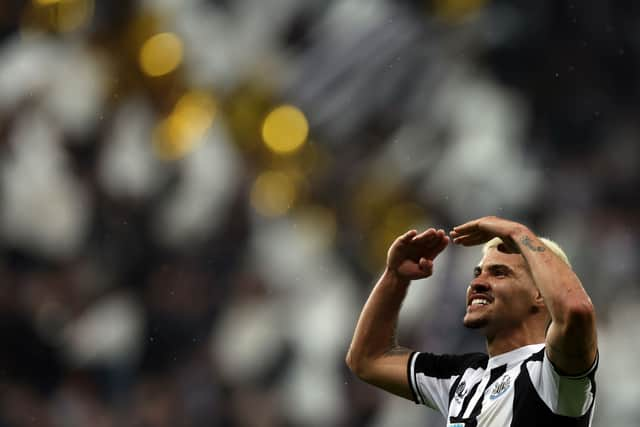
(520, 388)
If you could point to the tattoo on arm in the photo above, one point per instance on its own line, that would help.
(529, 243)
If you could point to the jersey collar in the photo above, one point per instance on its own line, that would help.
(514, 356)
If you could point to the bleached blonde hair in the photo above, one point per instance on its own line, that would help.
(553, 247)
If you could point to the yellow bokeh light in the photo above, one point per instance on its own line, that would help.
(370, 198)
(60, 15)
(160, 54)
(285, 129)
(273, 193)
(198, 110)
(184, 128)
(456, 10)
(400, 217)
(398, 220)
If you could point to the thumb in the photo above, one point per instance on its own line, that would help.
(426, 265)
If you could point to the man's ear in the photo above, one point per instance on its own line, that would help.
(539, 299)
(538, 303)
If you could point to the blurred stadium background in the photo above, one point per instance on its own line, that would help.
(196, 196)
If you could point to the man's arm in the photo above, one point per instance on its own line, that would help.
(571, 340)
(374, 354)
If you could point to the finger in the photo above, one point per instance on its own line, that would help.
(468, 238)
(431, 247)
(426, 239)
(467, 227)
(426, 265)
(441, 239)
(427, 234)
(444, 242)
(472, 239)
(408, 236)
(431, 234)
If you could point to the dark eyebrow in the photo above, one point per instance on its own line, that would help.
(494, 269)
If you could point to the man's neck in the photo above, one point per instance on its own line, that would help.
(506, 341)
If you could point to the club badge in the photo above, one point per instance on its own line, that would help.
(500, 387)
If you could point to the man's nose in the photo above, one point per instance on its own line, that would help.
(479, 285)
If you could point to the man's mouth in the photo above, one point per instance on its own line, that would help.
(479, 301)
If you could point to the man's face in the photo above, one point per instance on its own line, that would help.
(502, 293)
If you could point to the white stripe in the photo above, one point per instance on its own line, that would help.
(412, 375)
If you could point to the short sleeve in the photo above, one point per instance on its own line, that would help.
(432, 377)
(571, 396)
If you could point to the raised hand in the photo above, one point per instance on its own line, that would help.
(411, 255)
(483, 229)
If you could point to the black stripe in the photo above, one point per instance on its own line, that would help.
(445, 366)
(472, 420)
(467, 399)
(496, 373)
(536, 357)
(454, 387)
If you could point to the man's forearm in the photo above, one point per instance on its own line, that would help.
(556, 281)
(374, 354)
(375, 333)
(571, 338)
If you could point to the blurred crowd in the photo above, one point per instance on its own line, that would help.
(196, 196)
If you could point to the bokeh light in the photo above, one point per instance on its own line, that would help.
(273, 193)
(456, 10)
(160, 54)
(369, 198)
(59, 15)
(285, 129)
(184, 128)
(396, 220)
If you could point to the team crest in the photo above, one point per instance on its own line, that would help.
(461, 390)
(500, 387)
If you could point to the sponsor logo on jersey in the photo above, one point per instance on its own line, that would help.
(461, 390)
